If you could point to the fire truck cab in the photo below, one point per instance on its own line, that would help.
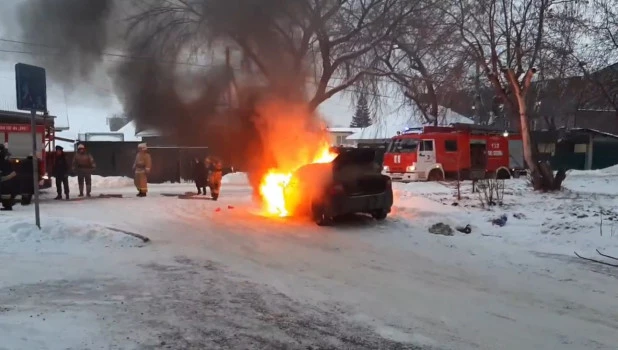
(461, 151)
(15, 133)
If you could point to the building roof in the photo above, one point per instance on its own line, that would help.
(344, 129)
(102, 136)
(148, 133)
(130, 132)
(593, 132)
(22, 118)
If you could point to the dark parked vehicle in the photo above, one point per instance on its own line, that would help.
(351, 183)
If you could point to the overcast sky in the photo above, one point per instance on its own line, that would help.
(85, 106)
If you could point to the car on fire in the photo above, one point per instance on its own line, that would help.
(351, 183)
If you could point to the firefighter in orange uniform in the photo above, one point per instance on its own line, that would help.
(215, 173)
(142, 166)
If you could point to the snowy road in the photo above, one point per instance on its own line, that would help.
(229, 278)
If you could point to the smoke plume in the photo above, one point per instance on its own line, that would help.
(183, 100)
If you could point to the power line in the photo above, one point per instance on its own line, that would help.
(129, 57)
(108, 54)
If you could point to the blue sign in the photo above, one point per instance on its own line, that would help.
(31, 88)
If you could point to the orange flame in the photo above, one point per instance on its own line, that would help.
(272, 187)
(292, 136)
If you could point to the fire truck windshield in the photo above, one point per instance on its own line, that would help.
(402, 145)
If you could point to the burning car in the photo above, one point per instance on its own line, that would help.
(351, 183)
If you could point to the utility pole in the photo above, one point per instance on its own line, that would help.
(35, 168)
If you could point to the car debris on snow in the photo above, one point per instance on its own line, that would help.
(464, 229)
(441, 229)
(501, 221)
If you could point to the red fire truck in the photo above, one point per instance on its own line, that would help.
(15, 133)
(460, 150)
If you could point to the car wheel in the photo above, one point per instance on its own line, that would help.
(379, 214)
(319, 216)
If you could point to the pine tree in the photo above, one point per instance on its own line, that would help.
(362, 116)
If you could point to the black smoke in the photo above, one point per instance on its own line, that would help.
(151, 76)
(76, 30)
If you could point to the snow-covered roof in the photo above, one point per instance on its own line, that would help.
(67, 146)
(344, 129)
(387, 127)
(129, 132)
(148, 133)
(112, 137)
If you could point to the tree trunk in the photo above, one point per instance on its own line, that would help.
(541, 175)
(529, 154)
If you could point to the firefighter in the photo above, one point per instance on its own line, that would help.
(7, 179)
(215, 174)
(61, 173)
(83, 166)
(200, 176)
(142, 166)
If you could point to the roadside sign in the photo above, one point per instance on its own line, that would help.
(31, 95)
(31, 87)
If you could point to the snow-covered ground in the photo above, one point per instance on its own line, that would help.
(219, 275)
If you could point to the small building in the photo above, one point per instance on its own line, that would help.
(338, 136)
(578, 148)
(113, 158)
(171, 162)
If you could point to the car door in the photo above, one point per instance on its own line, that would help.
(426, 156)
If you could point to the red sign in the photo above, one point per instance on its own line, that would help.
(18, 128)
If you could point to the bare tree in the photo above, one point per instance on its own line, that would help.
(505, 37)
(597, 62)
(560, 91)
(288, 41)
(426, 60)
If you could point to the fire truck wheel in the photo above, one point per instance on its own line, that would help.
(503, 174)
(435, 175)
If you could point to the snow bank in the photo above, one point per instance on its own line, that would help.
(551, 223)
(57, 233)
(601, 181)
(611, 171)
(101, 182)
(235, 179)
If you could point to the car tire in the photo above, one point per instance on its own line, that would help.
(380, 214)
(435, 175)
(319, 216)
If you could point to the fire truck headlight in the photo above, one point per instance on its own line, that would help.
(411, 168)
(386, 169)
